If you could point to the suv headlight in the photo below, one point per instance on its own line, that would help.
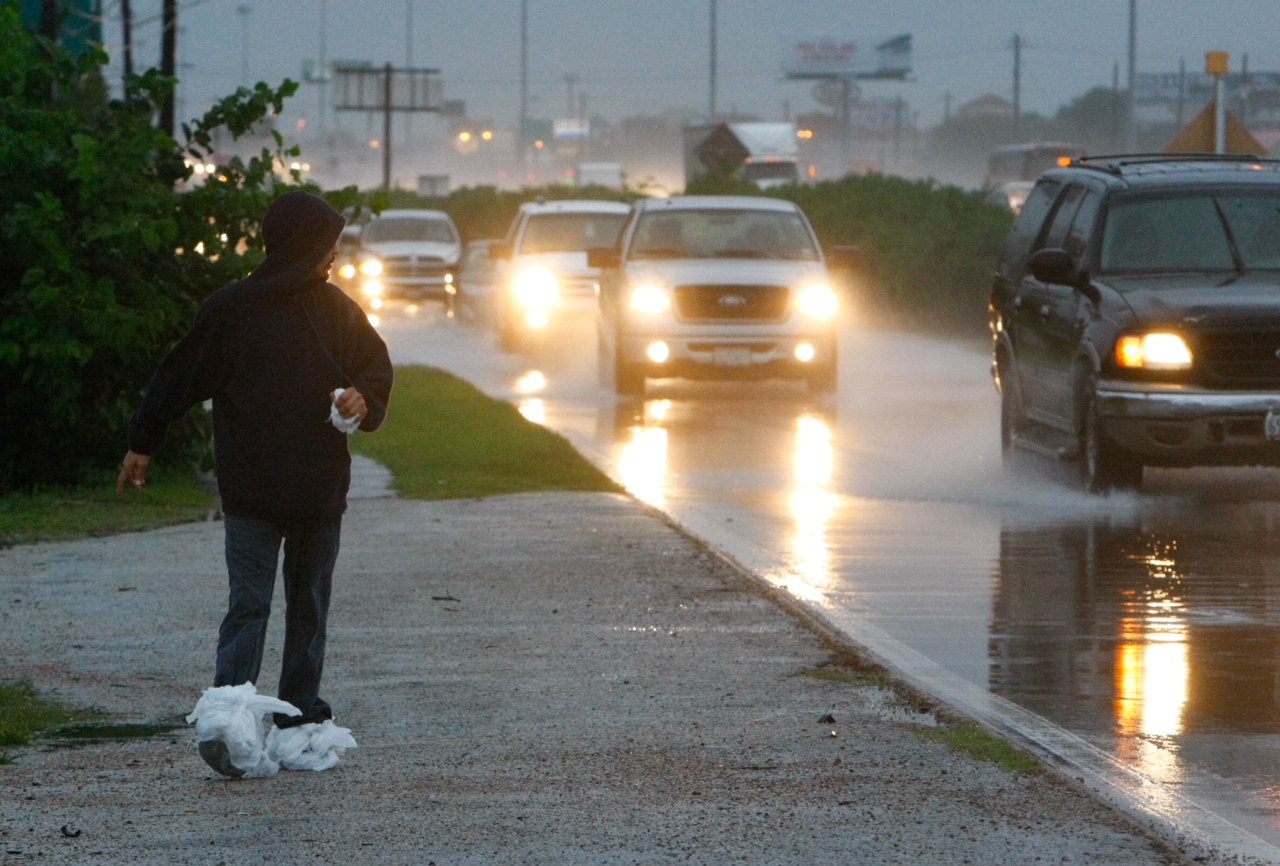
(371, 268)
(648, 298)
(1154, 351)
(817, 300)
(535, 289)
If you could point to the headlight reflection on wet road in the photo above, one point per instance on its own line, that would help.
(811, 505)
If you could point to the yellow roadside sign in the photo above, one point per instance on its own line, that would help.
(1197, 136)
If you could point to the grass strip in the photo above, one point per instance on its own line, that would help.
(24, 714)
(977, 742)
(172, 495)
(445, 439)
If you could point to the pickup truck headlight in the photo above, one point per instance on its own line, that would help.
(371, 268)
(1154, 351)
(817, 300)
(648, 298)
(535, 289)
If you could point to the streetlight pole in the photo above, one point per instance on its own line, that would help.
(1131, 121)
(243, 12)
(324, 67)
(524, 76)
(711, 110)
(408, 62)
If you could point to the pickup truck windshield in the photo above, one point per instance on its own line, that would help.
(722, 233)
(1208, 231)
(571, 232)
(388, 229)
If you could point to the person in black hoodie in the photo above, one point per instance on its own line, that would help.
(289, 362)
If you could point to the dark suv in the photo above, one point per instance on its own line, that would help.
(1136, 316)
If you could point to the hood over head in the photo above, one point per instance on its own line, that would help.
(299, 230)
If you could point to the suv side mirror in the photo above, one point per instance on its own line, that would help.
(1053, 265)
(844, 256)
(500, 252)
(603, 258)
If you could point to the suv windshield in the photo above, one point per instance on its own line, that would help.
(720, 233)
(1204, 231)
(386, 229)
(570, 232)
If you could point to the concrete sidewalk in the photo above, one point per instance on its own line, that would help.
(542, 678)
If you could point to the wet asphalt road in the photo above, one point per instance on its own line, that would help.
(1144, 629)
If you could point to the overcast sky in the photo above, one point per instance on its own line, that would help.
(644, 56)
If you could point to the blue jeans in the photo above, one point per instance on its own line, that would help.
(253, 549)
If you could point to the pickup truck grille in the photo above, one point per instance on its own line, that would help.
(412, 267)
(1246, 359)
(732, 303)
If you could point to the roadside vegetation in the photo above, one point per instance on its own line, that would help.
(849, 666)
(174, 494)
(24, 715)
(444, 439)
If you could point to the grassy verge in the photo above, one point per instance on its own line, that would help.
(171, 496)
(977, 742)
(24, 714)
(444, 439)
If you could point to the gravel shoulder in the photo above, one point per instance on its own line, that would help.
(542, 678)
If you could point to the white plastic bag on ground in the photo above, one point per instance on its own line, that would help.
(233, 715)
(309, 747)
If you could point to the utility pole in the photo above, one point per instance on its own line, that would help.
(711, 110)
(524, 77)
(1017, 81)
(1131, 119)
(168, 60)
(569, 80)
(1182, 90)
(324, 67)
(243, 12)
(1115, 104)
(126, 24)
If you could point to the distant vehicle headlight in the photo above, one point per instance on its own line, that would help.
(371, 268)
(535, 289)
(817, 301)
(648, 298)
(372, 289)
(347, 271)
(1155, 351)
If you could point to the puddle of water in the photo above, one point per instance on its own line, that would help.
(87, 733)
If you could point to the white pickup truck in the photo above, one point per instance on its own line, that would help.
(716, 287)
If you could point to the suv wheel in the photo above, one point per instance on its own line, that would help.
(628, 379)
(509, 337)
(1104, 465)
(1011, 412)
(822, 381)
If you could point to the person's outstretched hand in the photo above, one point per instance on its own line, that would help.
(134, 472)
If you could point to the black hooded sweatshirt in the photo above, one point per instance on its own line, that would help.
(269, 350)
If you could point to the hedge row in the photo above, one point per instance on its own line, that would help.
(926, 251)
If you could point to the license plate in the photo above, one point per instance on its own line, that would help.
(732, 356)
(1272, 426)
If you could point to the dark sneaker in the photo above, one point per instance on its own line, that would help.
(215, 754)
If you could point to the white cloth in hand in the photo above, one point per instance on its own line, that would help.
(346, 425)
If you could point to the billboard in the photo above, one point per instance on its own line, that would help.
(830, 56)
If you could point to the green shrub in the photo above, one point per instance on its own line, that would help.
(104, 257)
